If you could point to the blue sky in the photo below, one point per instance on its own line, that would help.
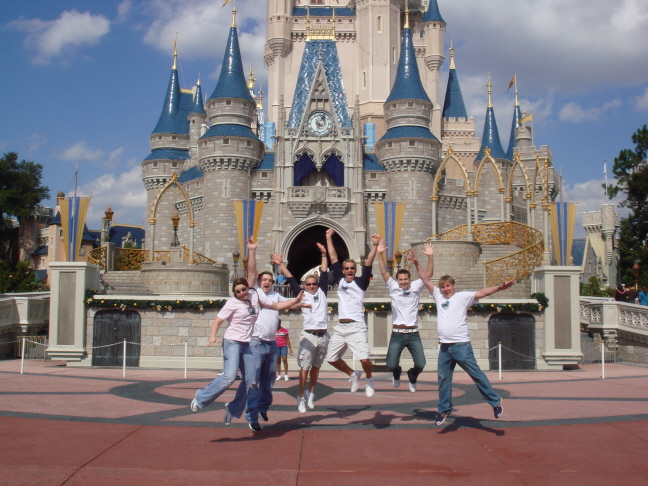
(84, 81)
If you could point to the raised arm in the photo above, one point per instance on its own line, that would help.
(429, 251)
(277, 259)
(329, 245)
(381, 260)
(485, 292)
(289, 303)
(324, 262)
(375, 240)
(423, 275)
(253, 273)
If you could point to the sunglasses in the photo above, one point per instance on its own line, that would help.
(349, 268)
(311, 284)
(240, 291)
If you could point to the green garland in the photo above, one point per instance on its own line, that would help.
(169, 305)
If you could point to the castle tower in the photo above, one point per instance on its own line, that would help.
(490, 138)
(227, 153)
(432, 32)
(409, 151)
(514, 123)
(169, 144)
(197, 121)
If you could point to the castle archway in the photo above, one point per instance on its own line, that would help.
(303, 254)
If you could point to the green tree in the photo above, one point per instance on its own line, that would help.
(20, 187)
(631, 172)
(18, 277)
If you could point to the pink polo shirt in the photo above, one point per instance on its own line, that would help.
(242, 315)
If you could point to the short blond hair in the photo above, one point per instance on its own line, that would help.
(446, 279)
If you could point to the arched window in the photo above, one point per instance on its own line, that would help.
(379, 24)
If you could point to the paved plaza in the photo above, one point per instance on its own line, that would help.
(90, 426)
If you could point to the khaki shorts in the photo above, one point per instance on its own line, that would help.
(312, 350)
(351, 335)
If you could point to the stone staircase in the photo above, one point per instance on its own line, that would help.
(125, 282)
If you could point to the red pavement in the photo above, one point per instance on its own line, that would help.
(90, 426)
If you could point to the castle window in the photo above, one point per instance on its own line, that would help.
(173, 137)
(412, 143)
(389, 144)
(372, 176)
(193, 121)
(174, 165)
(228, 103)
(379, 24)
(205, 144)
(364, 79)
(265, 175)
(394, 55)
(226, 141)
(247, 143)
(159, 137)
(410, 104)
(317, 2)
(155, 165)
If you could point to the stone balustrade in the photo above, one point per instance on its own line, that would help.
(304, 200)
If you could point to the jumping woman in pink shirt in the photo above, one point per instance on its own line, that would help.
(241, 312)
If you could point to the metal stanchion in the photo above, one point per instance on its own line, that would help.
(22, 357)
(185, 360)
(499, 359)
(603, 360)
(124, 360)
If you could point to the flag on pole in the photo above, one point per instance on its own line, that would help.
(389, 218)
(248, 215)
(512, 82)
(73, 216)
(529, 117)
(225, 3)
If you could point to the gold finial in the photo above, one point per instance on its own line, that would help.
(452, 64)
(406, 15)
(489, 85)
(251, 79)
(517, 103)
(234, 15)
(198, 78)
(260, 98)
(175, 52)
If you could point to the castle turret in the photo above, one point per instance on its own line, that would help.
(197, 121)
(491, 138)
(433, 29)
(409, 150)
(276, 49)
(514, 123)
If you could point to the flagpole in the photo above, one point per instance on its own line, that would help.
(605, 173)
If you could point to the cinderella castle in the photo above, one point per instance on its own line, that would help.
(357, 116)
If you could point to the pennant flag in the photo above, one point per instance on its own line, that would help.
(563, 222)
(226, 2)
(389, 218)
(529, 117)
(248, 220)
(73, 216)
(512, 82)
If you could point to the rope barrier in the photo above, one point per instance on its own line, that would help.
(526, 356)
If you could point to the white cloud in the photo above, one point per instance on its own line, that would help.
(573, 112)
(61, 37)
(81, 152)
(590, 196)
(123, 9)
(124, 192)
(641, 102)
(35, 141)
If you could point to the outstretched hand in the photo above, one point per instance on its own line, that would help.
(412, 257)
(330, 233)
(321, 248)
(429, 249)
(251, 244)
(375, 238)
(277, 259)
(382, 247)
(506, 285)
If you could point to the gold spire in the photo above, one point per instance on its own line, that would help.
(175, 52)
(234, 15)
(489, 85)
(251, 79)
(260, 98)
(452, 64)
(406, 15)
(517, 103)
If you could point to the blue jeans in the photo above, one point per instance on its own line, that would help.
(265, 371)
(461, 354)
(235, 354)
(400, 341)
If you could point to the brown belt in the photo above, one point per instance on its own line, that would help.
(346, 321)
(316, 333)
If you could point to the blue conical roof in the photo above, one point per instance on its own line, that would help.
(408, 84)
(198, 105)
(231, 83)
(453, 106)
(433, 14)
(516, 119)
(491, 138)
(170, 119)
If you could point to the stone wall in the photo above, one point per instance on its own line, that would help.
(632, 351)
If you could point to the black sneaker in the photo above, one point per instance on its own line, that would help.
(264, 416)
(441, 417)
(499, 410)
(255, 426)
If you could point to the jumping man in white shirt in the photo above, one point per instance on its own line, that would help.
(351, 332)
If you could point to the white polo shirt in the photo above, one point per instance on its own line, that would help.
(350, 301)
(452, 315)
(315, 317)
(266, 324)
(405, 303)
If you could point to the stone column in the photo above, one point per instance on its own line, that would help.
(69, 282)
(110, 256)
(152, 240)
(435, 231)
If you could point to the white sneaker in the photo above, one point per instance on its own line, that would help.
(369, 387)
(286, 377)
(194, 405)
(355, 378)
(310, 399)
(301, 404)
(412, 387)
(395, 382)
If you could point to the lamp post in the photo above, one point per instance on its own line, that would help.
(636, 268)
(175, 219)
(398, 256)
(235, 256)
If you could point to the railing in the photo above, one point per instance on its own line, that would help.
(132, 258)
(99, 256)
(517, 265)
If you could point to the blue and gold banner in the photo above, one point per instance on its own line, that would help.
(248, 220)
(563, 222)
(389, 218)
(73, 216)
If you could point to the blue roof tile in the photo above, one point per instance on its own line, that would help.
(408, 84)
(268, 162)
(516, 118)
(177, 105)
(370, 162)
(198, 106)
(453, 106)
(118, 232)
(231, 83)
(433, 14)
(191, 174)
(230, 130)
(168, 154)
(408, 131)
(491, 138)
(41, 250)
